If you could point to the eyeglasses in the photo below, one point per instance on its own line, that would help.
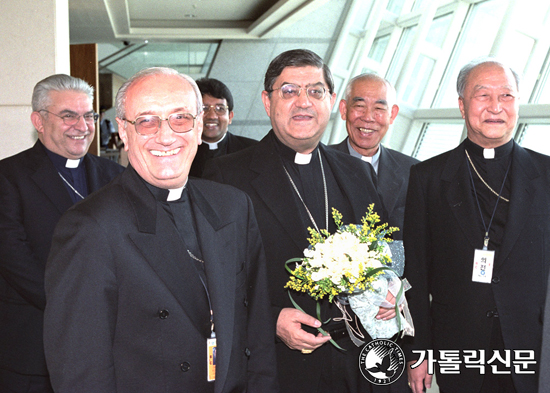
(289, 91)
(150, 124)
(70, 119)
(218, 108)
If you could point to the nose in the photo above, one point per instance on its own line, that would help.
(303, 99)
(165, 135)
(495, 105)
(82, 125)
(367, 114)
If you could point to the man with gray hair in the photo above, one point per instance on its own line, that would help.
(477, 229)
(369, 108)
(176, 299)
(36, 187)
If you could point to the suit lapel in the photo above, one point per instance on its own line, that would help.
(459, 196)
(219, 252)
(523, 173)
(389, 181)
(48, 180)
(271, 183)
(159, 242)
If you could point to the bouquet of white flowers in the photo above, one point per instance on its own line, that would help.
(353, 266)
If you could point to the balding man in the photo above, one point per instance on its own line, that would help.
(369, 108)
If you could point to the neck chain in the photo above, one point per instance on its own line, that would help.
(301, 199)
(483, 181)
(71, 186)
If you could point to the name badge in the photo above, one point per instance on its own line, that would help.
(211, 350)
(483, 266)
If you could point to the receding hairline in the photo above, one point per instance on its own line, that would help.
(391, 95)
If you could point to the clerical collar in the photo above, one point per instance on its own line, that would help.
(290, 155)
(165, 195)
(498, 152)
(63, 162)
(374, 160)
(214, 145)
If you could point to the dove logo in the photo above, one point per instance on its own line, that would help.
(381, 362)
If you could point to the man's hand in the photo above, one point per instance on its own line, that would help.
(289, 330)
(419, 377)
(387, 313)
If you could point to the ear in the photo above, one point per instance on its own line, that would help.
(200, 124)
(267, 102)
(394, 112)
(230, 117)
(343, 109)
(332, 100)
(122, 132)
(37, 122)
(461, 106)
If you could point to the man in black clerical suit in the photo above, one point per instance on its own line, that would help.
(294, 181)
(369, 108)
(477, 235)
(36, 187)
(217, 116)
(180, 274)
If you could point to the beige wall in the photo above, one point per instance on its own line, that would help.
(35, 45)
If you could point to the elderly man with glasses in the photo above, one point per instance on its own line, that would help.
(294, 181)
(176, 300)
(217, 116)
(36, 187)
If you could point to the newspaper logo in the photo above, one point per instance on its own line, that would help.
(381, 362)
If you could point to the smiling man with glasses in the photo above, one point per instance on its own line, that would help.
(176, 300)
(217, 115)
(294, 181)
(36, 187)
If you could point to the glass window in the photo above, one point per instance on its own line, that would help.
(537, 137)
(379, 48)
(421, 74)
(476, 40)
(401, 53)
(438, 138)
(438, 30)
(395, 6)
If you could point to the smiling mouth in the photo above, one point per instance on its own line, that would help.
(211, 124)
(77, 137)
(365, 130)
(158, 153)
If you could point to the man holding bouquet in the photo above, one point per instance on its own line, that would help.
(294, 181)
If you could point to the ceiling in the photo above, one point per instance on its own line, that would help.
(115, 21)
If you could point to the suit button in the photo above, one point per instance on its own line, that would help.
(492, 314)
(163, 314)
(185, 366)
(489, 314)
(495, 280)
(245, 302)
(247, 352)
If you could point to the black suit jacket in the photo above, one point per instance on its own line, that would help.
(442, 229)
(32, 200)
(125, 317)
(259, 172)
(392, 181)
(233, 142)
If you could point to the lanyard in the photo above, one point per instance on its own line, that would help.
(486, 238)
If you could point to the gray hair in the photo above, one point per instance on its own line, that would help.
(121, 95)
(58, 82)
(468, 68)
(391, 96)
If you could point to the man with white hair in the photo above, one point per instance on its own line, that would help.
(176, 299)
(477, 227)
(36, 187)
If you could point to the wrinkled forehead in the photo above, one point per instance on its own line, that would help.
(491, 75)
(159, 93)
